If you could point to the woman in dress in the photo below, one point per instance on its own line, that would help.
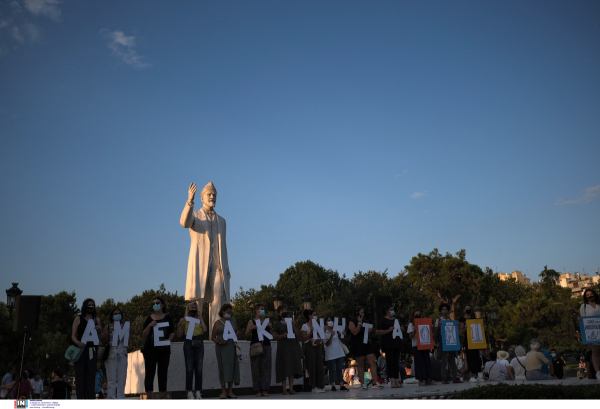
(287, 361)
(422, 360)
(116, 363)
(362, 351)
(157, 355)
(313, 353)
(85, 367)
(260, 365)
(390, 346)
(229, 365)
(193, 350)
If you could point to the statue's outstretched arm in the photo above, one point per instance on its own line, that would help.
(187, 216)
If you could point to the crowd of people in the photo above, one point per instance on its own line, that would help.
(318, 355)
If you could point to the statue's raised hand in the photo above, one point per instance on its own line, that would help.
(192, 192)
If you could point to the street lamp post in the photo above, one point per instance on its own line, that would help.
(277, 301)
(11, 297)
(307, 301)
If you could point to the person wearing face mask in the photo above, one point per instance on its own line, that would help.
(193, 350)
(287, 361)
(313, 353)
(362, 352)
(157, 355)
(590, 308)
(472, 355)
(390, 346)
(227, 360)
(558, 363)
(85, 367)
(116, 363)
(260, 365)
(422, 360)
(448, 357)
(334, 355)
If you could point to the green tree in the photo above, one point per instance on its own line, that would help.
(445, 278)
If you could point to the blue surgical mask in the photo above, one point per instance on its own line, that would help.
(553, 355)
(117, 317)
(156, 307)
(227, 316)
(261, 313)
(392, 313)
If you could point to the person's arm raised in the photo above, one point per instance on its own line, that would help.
(187, 216)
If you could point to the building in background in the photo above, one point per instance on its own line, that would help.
(517, 275)
(577, 282)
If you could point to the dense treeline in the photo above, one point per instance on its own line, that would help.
(543, 310)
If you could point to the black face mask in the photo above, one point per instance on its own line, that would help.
(417, 315)
(284, 315)
(591, 298)
(91, 309)
(193, 313)
(468, 311)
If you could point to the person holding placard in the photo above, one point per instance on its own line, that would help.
(361, 348)
(591, 308)
(448, 357)
(391, 344)
(472, 355)
(158, 332)
(193, 348)
(334, 354)
(313, 353)
(224, 335)
(116, 363)
(260, 364)
(422, 359)
(85, 334)
(287, 361)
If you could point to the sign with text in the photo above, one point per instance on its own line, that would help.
(449, 333)
(476, 334)
(590, 329)
(424, 334)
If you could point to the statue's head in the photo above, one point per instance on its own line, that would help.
(209, 195)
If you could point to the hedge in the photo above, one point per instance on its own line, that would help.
(505, 391)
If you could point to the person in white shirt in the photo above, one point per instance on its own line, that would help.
(334, 354)
(37, 385)
(518, 363)
(591, 308)
(499, 369)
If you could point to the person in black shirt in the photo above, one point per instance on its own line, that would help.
(558, 363)
(153, 354)
(58, 388)
(472, 355)
(390, 346)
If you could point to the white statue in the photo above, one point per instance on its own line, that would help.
(208, 270)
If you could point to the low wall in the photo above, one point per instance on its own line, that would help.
(210, 370)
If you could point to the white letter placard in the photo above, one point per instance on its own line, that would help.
(261, 329)
(158, 332)
(90, 333)
(397, 331)
(228, 332)
(318, 330)
(290, 328)
(191, 326)
(339, 328)
(367, 327)
(120, 333)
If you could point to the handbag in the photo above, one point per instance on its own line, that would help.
(73, 353)
(197, 342)
(345, 348)
(486, 375)
(256, 349)
(238, 350)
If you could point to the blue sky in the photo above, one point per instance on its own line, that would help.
(354, 134)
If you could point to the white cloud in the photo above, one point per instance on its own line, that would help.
(27, 33)
(590, 195)
(32, 31)
(48, 8)
(122, 46)
(418, 195)
(15, 33)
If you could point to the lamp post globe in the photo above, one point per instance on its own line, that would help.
(11, 297)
